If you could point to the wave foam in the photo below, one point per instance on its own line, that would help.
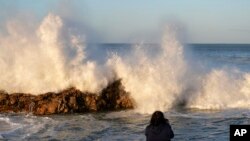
(49, 61)
(41, 63)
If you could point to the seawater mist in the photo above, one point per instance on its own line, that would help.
(52, 59)
(39, 63)
(154, 82)
(170, 80)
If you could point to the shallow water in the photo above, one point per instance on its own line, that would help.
(124, 125)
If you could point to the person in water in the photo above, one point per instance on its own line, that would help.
(159, 128)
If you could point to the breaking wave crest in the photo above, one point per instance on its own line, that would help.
(47, 60)
(41, 63)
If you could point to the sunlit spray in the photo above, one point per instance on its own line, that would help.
(39, 61)
(40, 64)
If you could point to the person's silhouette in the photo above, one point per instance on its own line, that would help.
(159, 128)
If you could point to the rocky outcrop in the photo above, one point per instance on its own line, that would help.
(71, 100)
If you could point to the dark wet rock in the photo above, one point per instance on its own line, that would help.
(71, 100)
(115, 97)
(3, 97)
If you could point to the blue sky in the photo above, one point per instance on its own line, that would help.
(198, 21)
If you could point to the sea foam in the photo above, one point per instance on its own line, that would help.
(47, 60)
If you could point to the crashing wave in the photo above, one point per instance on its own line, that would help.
(53, 59)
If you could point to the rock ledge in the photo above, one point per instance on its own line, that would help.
(71, 100)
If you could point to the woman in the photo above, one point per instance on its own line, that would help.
(159, 128)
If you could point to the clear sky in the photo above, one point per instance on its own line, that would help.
(199, 21)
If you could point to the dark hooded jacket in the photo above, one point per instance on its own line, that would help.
(162, 132)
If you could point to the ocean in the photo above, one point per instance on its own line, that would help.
(202, 89)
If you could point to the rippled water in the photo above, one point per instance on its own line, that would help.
(124, 125)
